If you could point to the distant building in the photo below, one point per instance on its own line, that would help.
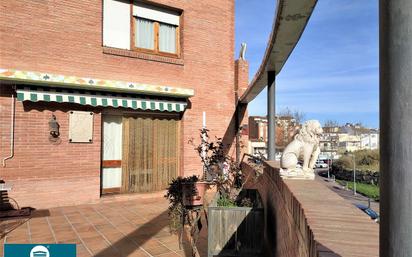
(347, 138)
(286, 128)
(370, 140)
(329, 142)
(350, 137)
(257, 144)
(258, 128)
(348, 142)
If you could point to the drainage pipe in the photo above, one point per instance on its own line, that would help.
(13, 107)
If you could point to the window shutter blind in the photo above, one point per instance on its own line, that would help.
(155, 13)
(116, 24)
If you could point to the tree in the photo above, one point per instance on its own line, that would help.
(295, 114)
(331, 123)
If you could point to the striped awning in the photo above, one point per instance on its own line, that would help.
(98, 99)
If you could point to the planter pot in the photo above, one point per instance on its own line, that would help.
(194, 193)
(236, 231)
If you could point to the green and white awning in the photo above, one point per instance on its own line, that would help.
(98, 99)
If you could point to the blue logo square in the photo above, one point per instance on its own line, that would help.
(39, 250)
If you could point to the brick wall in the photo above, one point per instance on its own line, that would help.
(241, 76)
(45, 173)
(65, 37)
(306, 218)
(287, 232)
(241, 84)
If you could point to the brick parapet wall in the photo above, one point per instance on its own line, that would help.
(287, 232)
(305, 218)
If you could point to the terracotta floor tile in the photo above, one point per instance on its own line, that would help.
(89, 234)
(174, 246)
(97, 247)
(170, 238)
(113, 236)
(157, 250)
(129, 249)
(138, 253)
(43, 241)
(171, 254)
(18, 241)
(108, 252)
(69, 241)
(66, 235)
(129, 226)
(149, 243)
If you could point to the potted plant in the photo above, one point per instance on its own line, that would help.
(186, 192)
(176, 199)
(219, 167)
(223, 171)
(234, 210)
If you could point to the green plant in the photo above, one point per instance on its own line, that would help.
(218, 166)
(175, 196)
(224, 201)
(365, 160)
(367, 190)
(246, 202)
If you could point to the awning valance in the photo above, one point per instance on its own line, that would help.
(81, 83)
(98, 99)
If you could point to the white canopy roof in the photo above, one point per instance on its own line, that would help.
(290, 20)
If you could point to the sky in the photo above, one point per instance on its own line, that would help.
(333, 72)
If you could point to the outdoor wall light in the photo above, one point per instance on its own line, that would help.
(54, 127)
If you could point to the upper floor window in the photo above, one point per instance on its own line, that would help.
(155, 29)
(141, 27)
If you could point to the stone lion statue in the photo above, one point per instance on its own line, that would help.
(306, 145)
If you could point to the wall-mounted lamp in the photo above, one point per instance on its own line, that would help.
(54, 127)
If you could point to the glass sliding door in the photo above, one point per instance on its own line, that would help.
(112, 154)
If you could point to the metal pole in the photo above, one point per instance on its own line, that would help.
(237, 131)
(329, 166)
(271, 116)
(395, 34)
(354, 175)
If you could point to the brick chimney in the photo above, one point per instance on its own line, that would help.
(241, 84)
(241, 76)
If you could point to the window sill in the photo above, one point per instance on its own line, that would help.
(143, 56)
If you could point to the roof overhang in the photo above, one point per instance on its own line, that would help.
(53, 80)
(289, 23)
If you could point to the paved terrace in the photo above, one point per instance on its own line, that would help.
(134, 228)
(304, 218)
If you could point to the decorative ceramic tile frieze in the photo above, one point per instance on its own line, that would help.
(47, 79)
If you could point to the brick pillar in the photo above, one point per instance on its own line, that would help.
(241, 84)
(241, 76)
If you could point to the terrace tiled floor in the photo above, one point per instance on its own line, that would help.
(123, 228)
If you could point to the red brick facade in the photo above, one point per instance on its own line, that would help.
(65, 37)
(45, 172)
